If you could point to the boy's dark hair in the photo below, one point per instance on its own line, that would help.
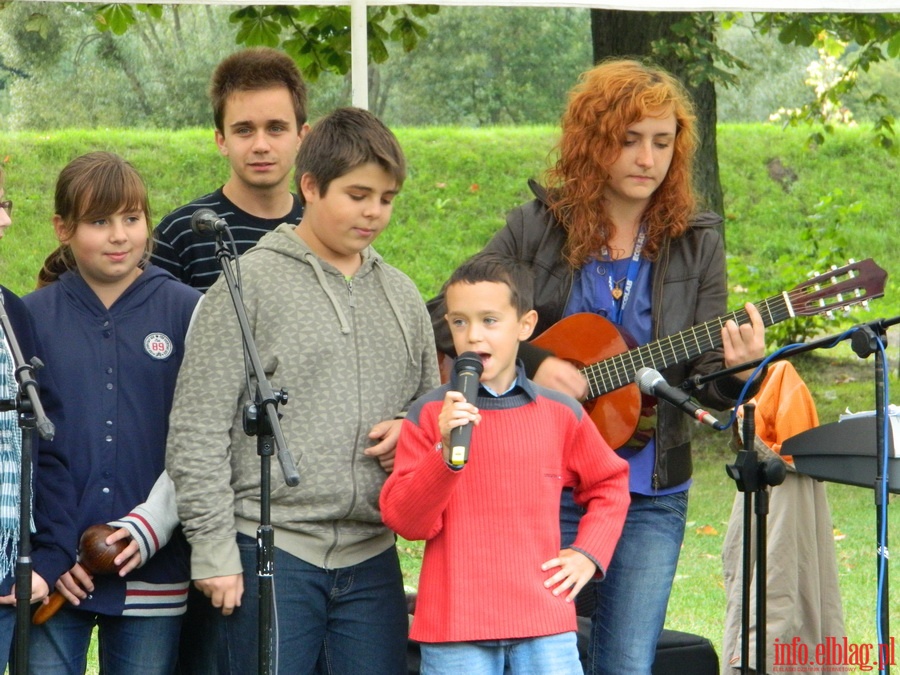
(499, 269)
(343, 141)
(255, 69)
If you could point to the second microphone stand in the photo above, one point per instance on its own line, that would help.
(31, 419)
(753, 477)
(261, 419)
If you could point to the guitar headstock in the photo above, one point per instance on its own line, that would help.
(853, 284)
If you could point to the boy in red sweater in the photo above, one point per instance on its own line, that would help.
(496, 592)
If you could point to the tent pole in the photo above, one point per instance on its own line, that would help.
(359, 54)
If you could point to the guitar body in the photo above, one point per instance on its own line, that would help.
(583, 339)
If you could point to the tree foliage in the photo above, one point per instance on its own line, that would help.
(862, 40)
(318, 38)
(68, 74)
(485, 66)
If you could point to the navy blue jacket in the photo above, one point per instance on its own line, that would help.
(115, 371)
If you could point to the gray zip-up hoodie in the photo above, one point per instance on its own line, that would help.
(350, 352)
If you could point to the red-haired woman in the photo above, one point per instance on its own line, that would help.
(616, 233)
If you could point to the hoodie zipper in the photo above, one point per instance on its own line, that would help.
(335, 528)
(350, 293)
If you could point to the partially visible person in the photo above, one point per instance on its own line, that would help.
(496, 585)
(617, 234)
(349, 338)
(6, 206)
(259, 110)
(11, 463)
(113, 329)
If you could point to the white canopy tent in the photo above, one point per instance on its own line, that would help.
(359, 55)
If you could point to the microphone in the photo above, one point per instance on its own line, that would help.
(205, 221)
(468, 369)
(652, 383)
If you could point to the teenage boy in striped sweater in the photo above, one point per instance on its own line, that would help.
(495, 589)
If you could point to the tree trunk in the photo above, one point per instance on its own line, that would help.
(631, 34)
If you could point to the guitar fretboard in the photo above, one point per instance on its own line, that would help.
(619, 371)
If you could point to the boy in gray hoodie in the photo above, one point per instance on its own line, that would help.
(349, 338)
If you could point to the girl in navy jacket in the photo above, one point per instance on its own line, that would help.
(113, 328)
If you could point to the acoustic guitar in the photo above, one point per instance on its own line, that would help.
(598, 349)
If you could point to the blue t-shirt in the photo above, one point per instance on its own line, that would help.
(591, 292)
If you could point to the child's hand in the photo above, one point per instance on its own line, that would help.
(385, 434)
(75, 585)
(130, 557)
(39, 591)
(455, 413)
(575, 570)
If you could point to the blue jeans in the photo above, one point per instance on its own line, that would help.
(631, 600)
(347, 620)
(546, 655)
(128, 645)
(7, 623)
(7, 630)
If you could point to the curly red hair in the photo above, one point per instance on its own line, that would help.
(606, 101)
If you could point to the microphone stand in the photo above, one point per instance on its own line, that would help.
(865, 339)
(31, 418)
(865, 342)
(261, 419)
(753, 476)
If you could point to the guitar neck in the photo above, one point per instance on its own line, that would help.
(619, 371)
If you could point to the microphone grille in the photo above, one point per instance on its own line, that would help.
(468, 361)
(201, 220)
(646, 379)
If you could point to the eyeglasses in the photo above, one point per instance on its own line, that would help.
(6, 205)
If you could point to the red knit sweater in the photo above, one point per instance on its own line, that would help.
(490, 525)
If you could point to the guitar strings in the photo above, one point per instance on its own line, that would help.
(615, 372)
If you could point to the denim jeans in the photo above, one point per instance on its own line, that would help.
(546, 655)
(7, 623)
(347, 620)
(198, 649)
(631, 600)
(7, 631)
(128, 645)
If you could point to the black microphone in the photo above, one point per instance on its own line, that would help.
(468, 369)
(653, 384)
(205, 221)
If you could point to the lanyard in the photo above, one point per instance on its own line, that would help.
(620, 297)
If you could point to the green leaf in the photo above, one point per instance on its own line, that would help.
(38, 23)
(153, 11)
(260, 30)
(116, 18)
